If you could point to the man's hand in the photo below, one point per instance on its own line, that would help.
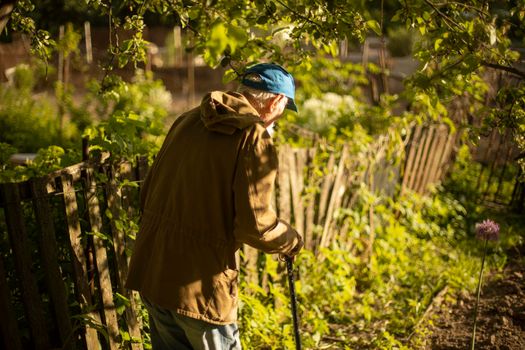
(295, 250)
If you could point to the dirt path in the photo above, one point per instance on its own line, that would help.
(501, 318)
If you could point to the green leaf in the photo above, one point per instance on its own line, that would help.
(229, 76)
(374, 25)
(437, 43)
(236, 37)
(397, 16)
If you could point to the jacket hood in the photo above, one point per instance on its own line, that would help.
(226, 112)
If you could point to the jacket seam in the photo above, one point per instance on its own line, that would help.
(202, 317)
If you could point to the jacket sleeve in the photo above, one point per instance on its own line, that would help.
(256, 223)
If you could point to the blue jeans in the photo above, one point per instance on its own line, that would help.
(172, 331)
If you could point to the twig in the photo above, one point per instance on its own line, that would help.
(512, 70)
(326, 337)
(300, 15)
(442, 15)
(477, 9)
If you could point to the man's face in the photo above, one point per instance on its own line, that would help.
(273, 110)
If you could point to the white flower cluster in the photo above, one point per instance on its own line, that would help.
(321, 113)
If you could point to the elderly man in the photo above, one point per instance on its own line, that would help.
(208, 192)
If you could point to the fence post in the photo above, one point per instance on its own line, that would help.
(79, 262)
(325, 190)
(310, 209)
(425, 164)
(412, 150)
(336, 197)
(296, 161)
(19, 243)
(49, 251)
(418, 156)
(445, 156)
(101, 258)
(439, 149)
(114, 195)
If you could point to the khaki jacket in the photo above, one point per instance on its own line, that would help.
(208, 192)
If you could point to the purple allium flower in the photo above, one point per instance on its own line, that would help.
(487, 230)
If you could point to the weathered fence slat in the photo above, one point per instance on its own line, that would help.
(337, 193)
(426, 162)
(22, 256)
(418, 163)
(332, 232)
(439, 149)
(79, 261)
(445, 156)
(114, 194)
(49, 253)
(9, 332)
(125, 172)
(325, 190)
(413, 147)
(101, 258)
(310, 209)
(296, 183)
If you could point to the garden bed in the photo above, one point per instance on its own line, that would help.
(501, 319)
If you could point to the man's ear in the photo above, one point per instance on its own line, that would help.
(276, 101)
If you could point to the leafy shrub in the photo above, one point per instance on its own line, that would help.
(30, 122)
(436, 215)
(333, 104)
(132, 116)
(374, 302)
(329, 75)
(47, 160)
(132, 122)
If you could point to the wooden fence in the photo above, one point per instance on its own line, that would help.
(496, 155)
(429, 151)
(81, 261)
(65, 236)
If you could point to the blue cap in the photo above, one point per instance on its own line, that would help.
(272, 78)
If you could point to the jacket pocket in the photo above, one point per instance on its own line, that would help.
(223, 303)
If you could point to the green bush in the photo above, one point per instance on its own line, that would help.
(47, 159)
(29, 121)
(369, 302)
(132, 116)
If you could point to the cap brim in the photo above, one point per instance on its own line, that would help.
(291, 105)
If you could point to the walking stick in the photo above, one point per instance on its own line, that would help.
(289, 267)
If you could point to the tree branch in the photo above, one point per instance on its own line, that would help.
(466, 6)
(300, 15)
(447, 19)
(512, 70)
